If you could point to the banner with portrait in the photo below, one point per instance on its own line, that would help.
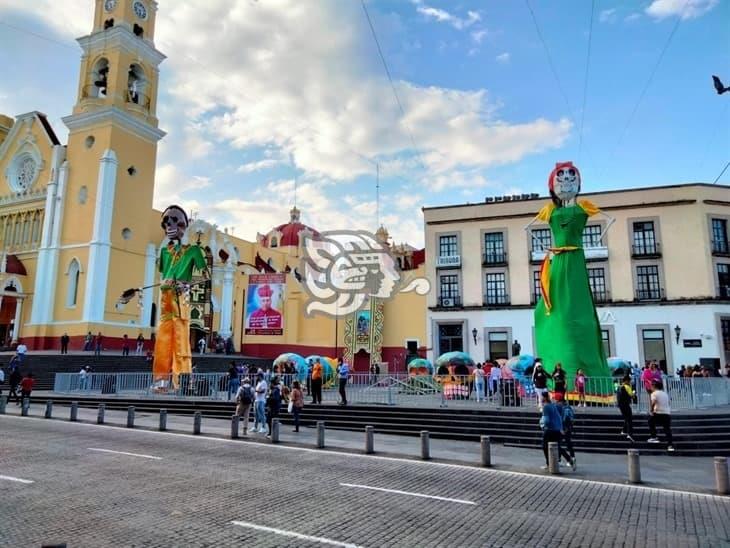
(265, 304)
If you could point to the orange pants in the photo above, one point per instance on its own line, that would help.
(172, 346)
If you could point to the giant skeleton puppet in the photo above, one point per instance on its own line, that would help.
(566, 324)
(172, 355)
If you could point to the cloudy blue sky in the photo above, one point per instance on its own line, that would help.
(257, 92)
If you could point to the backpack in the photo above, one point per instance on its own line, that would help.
(246, 397)
(568, 417)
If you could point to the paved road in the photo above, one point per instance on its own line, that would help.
(177, 490)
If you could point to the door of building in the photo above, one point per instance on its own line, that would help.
(361, 362)
(725, 333)
(655, 349)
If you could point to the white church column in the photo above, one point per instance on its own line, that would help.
(45, 286)
(18, 318)
(227, 301)
(145, 319)
(100, 245)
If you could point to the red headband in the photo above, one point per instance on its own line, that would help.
(559, 165)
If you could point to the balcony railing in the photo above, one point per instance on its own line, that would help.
(491, 258)
(723, 292)
(496, 299)
(649, 294)
(721, 248)
(601, 296)
(449, 302)
(646, 250)
(448, 261)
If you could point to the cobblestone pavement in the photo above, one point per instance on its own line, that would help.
(197, 487)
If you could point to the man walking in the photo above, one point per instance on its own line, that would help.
(495, 376)
(64, 343)
(14, 381)
(552, 430)
(244, 399)
(21, 351)
(260, 420)
(343, 373)
(625, 398)
(660, 414)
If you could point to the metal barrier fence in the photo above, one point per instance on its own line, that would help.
(403, 389)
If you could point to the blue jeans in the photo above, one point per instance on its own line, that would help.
(480, 389)
(233, 385)
(260, 414)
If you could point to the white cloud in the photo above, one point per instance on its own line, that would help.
(174, 187)
(259, 165)
(632, 17)
(479, 35)
(607, 15)
(503, 58)
(443, 16)
(685, 9)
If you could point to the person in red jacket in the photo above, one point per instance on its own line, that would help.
(26, 386)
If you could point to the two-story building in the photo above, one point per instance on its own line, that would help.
(660, 276)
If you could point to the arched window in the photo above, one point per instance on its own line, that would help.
(73, 283)
(99, 78)
(135, 85)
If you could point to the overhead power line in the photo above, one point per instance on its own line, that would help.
(585, 83)
(723, 171)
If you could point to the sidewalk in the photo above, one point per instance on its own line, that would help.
(692, 474)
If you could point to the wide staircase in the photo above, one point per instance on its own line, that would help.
(597, 432)
(44, 366)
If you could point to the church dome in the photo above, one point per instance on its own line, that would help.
(288, 234)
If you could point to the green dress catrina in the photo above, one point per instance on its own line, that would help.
(566, 323)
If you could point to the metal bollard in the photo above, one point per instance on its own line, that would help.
(486, 446)
(74, 416)
(100, 414)
(721, 476)
(553, 458)
(275, 427)
(634, 466)
(3, 402)
(130, 416)
(163, 420)
(25, 407)
(235, 419)
(320, 434)
(425, 445)
(49, 410)
(369, 440)
(197, 420)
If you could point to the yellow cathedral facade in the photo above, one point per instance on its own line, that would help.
(77, 227)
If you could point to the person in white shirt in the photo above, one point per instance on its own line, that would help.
(21, 350)
(479, 382)
(201, 346)
(260, 420)
(660, 414)
(83, 374)
(495, 375)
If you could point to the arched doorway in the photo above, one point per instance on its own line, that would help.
(7, 317)
(361, 361)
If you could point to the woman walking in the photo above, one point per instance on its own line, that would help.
(625, 398)
(297, 399)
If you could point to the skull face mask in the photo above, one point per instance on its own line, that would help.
(564, 182)
(174, 222)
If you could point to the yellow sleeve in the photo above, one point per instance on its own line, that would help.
(545, 212)
(589, 207)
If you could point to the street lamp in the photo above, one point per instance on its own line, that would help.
(474, 334)
(677, 332)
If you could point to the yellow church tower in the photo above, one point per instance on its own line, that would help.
(101, 235)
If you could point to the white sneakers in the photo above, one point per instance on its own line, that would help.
(653, 440)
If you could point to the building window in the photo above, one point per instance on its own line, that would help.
(644, 239)
(449, 290)
(498, 341)
(597, 282)
(719, 236)
(448, 246)
(542, 240)
(592, 236)
(73, 283)
(451, 338)
(723, 280)
(606, 340)
(647, 283)
(496, 289)
(494, 248)
(536, 294)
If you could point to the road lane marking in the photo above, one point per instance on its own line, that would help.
(294, 534)
(410, 493)
(124, 453)
(414, 461)
(19, 480)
